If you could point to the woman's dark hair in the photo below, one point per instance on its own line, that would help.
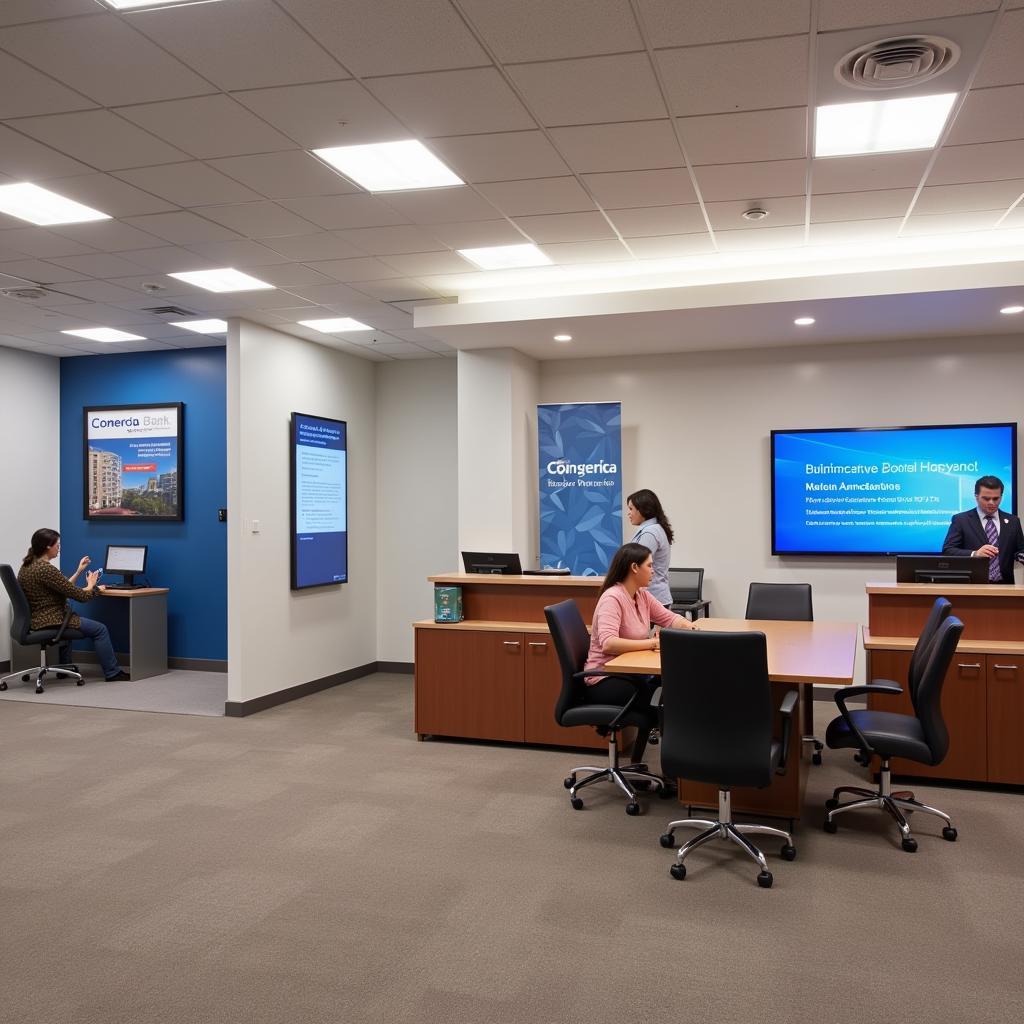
(647, 504)
(623, 559)
(41, 541)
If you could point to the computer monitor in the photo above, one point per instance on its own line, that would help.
(491, 562)
(126, 561)
(941, 569)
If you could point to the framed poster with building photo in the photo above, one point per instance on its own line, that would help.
(134, 462)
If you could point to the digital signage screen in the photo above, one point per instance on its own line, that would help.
(319, 492)
(882, 491)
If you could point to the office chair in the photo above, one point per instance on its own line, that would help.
(572, 642)
(21, 631)
(717, 710)
(686, 586)
(920, 737)
(788, 602)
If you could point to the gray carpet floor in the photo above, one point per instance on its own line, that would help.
(314, 863)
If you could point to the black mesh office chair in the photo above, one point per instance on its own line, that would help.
(686, 586)
(572, 642)
(788, 602)
(717, 726)
(920, 737)
(22, 633)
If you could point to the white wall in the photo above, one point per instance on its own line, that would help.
(417, 494)
(30, 460)
(278, 638)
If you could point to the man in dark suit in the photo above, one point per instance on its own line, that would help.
(987, 532)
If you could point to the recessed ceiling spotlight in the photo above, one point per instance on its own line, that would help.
(1011, 310)
(563, 337)
(41, 206)
(337, 325)
(390, 166)
(881, 126)
(226, 279)
(755, 213)
(104, 334)
(804, 321)
(203, 326)
(505, 257)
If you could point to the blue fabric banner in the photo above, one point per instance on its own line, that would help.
(580, 449)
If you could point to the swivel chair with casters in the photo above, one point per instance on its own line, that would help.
(717, 708)
(22, 633)
(572, 642)
(686, 586)
(920, 737)
(787, 602)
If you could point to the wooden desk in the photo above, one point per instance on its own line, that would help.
(798, 653)
(147, 629)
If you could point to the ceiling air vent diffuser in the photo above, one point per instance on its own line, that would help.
(169, 311)
(897, 63)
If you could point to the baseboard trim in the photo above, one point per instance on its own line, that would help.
(188, 664)
(244, 708)
(5, 666)
(405, 668)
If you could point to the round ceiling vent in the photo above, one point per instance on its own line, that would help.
(897, 63)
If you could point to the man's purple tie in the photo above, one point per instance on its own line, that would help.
(994, 574)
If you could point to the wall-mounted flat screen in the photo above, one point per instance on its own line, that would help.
(319, 501)
(882, 491)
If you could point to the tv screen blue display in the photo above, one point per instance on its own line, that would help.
(319, 501)
(882, 491)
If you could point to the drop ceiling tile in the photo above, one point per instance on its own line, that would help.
(453, 102)
(15, 12)
(380, 37)
(191, 184)
(208, 126)
(41, 243)
(100, 291)
(292, 275)
(755, 181)
(1015, 218)
(441, 205)
(842, 232)
(108, 235)
(171, 289)
(477, 234)
(726, 77)
(39, 271)
(849, 206)
(182, 228)
(538, 196)
(987, 195)
(863, 173)
(603, 251)
(989, 115)
(351, 211)
(566, 227)
(8, 252)
(630, 189)
(658, 220)
(550, 29)
(333, 295)
(103, 58)
(24, 92)
(627, 146)
(751, 239)
(365, 269)
(25, 159)
(499, 157)
(287, 175)
(391, 241)
(738, 138)
(1001, 64)
(403, 350)
(236, 254)
(978, 220)
(98, 264)
(324, 245)
(782, 212)
(261, 47)
(991, 161)
(167, 259)
(671, 23)
(415, 264)
(670, 246)
(835, 14)
(401, 289)
(591, 90)
(109, 194)
(100, 138)
(259, 220)
(325, 114)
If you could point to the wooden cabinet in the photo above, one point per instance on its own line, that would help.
(1005, 691)
(543, 682)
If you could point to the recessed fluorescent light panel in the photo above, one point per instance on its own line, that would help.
(390, 166)
(506, 257)
(226, 279)
(882, 126)
(41, 206)
(203, 326)
(1011, 310)
(336, 326)
(132, 5)
(563, 337)
(804, 321)
(104, 334)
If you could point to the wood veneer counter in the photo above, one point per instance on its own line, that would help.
(483, 626)
(907, 643)
(993, 590)
(496, 580)
(137, 592)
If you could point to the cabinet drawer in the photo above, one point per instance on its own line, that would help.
(1005, 719)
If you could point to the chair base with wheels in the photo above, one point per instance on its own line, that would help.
(898, 804)
(45, 671)
(726, 828)
(615, 773)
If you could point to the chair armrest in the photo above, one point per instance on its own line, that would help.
(843, 695)
(614, 724)
(786, 709)
(64, 625)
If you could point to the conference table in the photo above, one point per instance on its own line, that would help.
(799, 654)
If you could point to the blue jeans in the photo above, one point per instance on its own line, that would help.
(99, 635)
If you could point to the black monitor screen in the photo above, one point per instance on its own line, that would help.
(124, 558)
(941, 569)
(494, 563)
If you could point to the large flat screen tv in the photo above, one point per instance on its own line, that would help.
(882, 491)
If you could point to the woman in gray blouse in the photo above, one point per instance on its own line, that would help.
(654, 531)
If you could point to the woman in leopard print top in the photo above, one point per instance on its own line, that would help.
(47, 591)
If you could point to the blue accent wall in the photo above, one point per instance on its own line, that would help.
(190, 556)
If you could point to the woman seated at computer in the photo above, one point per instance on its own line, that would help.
(47, 590)
(625, 614)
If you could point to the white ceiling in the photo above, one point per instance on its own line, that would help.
(606, 131)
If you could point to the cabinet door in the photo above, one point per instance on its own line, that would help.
(1005, 719)
(543, 683)
(469, 683)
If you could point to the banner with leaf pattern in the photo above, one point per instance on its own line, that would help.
(580, 448)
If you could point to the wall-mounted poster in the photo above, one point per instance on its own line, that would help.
(134, 462)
